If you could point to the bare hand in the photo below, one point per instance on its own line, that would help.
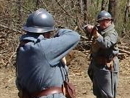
(89, 28)
(64, 60)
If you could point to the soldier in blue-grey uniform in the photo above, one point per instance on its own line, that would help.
(39, 56)
(104, 67)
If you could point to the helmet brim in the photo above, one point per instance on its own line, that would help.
(104, 19)
(38, 30)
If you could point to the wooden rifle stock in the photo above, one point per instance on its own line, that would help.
(89, 35)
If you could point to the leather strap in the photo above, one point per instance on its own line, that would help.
(48, 91)
(103, 60)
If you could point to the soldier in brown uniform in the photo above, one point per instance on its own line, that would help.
(104, 67)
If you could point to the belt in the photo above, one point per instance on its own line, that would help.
(48, 91)
(103, 60)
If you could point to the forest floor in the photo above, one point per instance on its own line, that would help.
(78, 65)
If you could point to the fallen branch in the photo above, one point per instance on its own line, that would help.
(124, 47)
(124, 51)
(6, 27)
(84, 37)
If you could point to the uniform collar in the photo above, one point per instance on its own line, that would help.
(108, 29)
(31, 37)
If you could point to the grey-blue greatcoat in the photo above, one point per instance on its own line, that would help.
(39, 61)
(104, 80)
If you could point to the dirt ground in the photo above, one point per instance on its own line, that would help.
(78, 65)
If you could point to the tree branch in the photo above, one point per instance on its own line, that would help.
(6, 27)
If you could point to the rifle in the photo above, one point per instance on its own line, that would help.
(90, 34)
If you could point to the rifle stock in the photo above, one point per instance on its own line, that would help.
(89, 34)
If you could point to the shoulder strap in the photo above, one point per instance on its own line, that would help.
(64, 72)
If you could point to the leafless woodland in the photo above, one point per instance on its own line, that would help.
(67, 13)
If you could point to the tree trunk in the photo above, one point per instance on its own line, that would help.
(85, 9)
(19, 5)
(104, 5)
(37, 4)
(83, 5)
(127, 11)
(112, 8)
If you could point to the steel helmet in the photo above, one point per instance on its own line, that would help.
(104, 15)
(39, 21)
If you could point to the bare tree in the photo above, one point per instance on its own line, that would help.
(112, 8)
(83, 4)
(85, 9)
(127, 11)
(104, 4)
(19, 4)
(37, 4)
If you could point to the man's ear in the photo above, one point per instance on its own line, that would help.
(47, 34)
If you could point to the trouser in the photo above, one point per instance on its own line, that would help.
(105, 84)
(104, 80)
